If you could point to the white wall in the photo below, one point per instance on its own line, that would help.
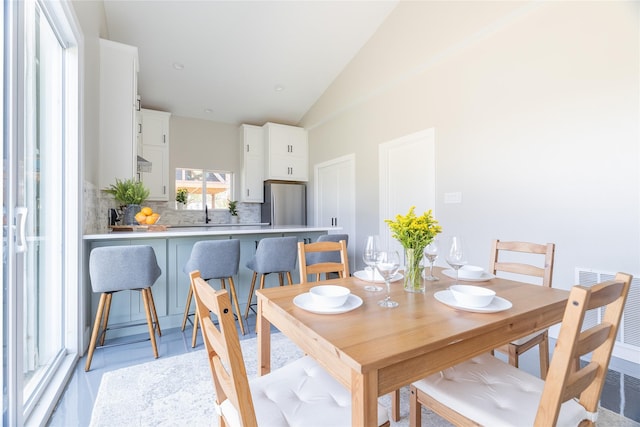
(535, 108)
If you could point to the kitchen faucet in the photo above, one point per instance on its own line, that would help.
(206, 214)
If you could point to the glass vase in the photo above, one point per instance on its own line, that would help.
(413, 281)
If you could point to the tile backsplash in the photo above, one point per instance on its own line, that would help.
(97, 205)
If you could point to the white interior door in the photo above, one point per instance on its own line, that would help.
(407, 178)
(335, 198)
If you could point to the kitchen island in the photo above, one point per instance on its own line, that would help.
(173, 248)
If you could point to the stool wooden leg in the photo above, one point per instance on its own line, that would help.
(96, 330)
(232, 288)
(253, 285)
(147, 310)
(281, 279)
(105, 317)
(289, 278)
(186, 309)
(152, 303)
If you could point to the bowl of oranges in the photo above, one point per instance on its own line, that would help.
(146, 216)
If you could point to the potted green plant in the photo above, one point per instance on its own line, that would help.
(130, 194)
(181, 197)
(233, 210)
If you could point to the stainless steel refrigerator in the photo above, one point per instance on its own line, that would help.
(285, 203)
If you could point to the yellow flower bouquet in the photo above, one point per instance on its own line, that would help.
(414, 234)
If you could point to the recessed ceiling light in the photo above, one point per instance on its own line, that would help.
(208, 110)
(278, 88)
(178, 66)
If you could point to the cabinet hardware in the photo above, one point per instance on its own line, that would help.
(164, 139)
(139, 127)
(164, 189)
(247, 148)
(247, 191)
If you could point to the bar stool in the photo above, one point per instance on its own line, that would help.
(273, 255)
(214, 259)
(120, 268)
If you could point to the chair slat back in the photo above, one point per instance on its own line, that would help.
(223, 350)
(342, 267)
(545, 271)
(565, 379)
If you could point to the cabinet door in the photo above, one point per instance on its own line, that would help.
(157, 181)
(252, 174)
(287, 153)
(117, 130)
(154, 136)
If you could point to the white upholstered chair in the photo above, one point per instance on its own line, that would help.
(501, 263)
(298, 394)
(485, 391)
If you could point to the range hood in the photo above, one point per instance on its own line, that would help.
(144, 165)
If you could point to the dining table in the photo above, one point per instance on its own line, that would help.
(373, 350)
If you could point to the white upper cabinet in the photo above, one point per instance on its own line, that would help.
(118, 99)
(286, 152)
(154, 143)
(252, 173)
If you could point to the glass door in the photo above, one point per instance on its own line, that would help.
(34, 161)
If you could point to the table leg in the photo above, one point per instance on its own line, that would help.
(364, 398)
(263, 329)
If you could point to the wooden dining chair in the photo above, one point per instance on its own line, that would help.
(544, 273)
(486, 391)
(323, 267)
(298, 393)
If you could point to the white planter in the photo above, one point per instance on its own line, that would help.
(234, 219)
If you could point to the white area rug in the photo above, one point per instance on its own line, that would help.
(178, 391)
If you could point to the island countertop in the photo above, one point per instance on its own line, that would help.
(202, 230)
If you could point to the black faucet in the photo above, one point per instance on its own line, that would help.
(206, 215)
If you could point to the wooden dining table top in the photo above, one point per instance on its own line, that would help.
(374, 350)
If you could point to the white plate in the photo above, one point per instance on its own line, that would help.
(366, 276)
(485, 276)
(305, 302)
(498, 304)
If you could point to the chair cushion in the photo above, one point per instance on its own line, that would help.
(299, 394)
(493, 393)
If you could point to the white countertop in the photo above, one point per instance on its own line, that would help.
(213, 230)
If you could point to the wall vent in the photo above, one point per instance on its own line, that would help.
(628, 341)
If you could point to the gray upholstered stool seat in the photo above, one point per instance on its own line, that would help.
(214, 259)
(119, 268)
(273, 255)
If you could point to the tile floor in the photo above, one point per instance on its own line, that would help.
(621, 393)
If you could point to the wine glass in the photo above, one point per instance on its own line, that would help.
(387, 264)
(370, 255)
(431, 253)
(456, 257)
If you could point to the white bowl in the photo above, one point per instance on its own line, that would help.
(471, 271)
(329, 296)
(472, 296)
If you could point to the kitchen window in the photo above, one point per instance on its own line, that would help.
(216, 186)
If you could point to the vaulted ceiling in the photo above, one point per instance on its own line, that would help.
(241, 61)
